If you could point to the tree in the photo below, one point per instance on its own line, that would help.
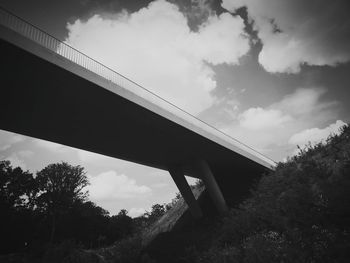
(17, 191)
(17, 187)
(60, 186)
(157, 211)
(85, 223)
(120, 226)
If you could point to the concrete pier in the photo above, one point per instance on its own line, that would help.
(186, 192)
(204, 172)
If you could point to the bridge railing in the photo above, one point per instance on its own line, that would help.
(44, 39)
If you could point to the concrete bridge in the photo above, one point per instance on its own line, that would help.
(53, 92)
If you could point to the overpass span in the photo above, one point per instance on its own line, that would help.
(54, 92)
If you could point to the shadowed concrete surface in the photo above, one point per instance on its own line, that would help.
(47, 96)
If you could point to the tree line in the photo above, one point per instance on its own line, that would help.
(300, 212)
(52, 206)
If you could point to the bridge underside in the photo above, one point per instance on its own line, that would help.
(43, 100)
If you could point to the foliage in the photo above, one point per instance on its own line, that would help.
(17, 190)
(127, 250)
(298, 213)
(60, 185)
(45, 214)
(156, 212)
(59, 252)
(120, 226)
(49, 217)
(17, 187)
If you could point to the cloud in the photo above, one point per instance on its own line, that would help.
(8, 139)
(301, 103)
(159, 185)
(298, 32)
(4, 147)
(26, 153)
(135, 212)
(268, 129)
(156, 48)
(110, 186)
(304, 101)
(16, 161)
(221, 40)
(259, 118)
(316, 135)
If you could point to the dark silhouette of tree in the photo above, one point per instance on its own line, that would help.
(157, 210)
(123, 213)
(120, 226)
(53, 207)
(86, 223)
(17, 187)
(17, 191)
(60, 186)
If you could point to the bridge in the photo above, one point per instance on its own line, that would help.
(51, 91)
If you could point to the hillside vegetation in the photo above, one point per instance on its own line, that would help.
(298, 213)
(48, 217)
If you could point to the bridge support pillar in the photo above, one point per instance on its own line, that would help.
(203, 170)
(186, 192)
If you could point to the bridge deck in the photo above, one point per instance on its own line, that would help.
(48, 96)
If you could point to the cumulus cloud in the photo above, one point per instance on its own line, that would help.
(304, 101)
(111, 186)
(316, 135)
(221, 40)
(299, 32)
(301, 103)
(156, 48)
(259, 118)
(268, 129)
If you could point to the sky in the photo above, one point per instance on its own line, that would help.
(273, 74)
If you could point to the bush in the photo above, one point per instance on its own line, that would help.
(127, 250)
(298, 213)
(58, 253)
